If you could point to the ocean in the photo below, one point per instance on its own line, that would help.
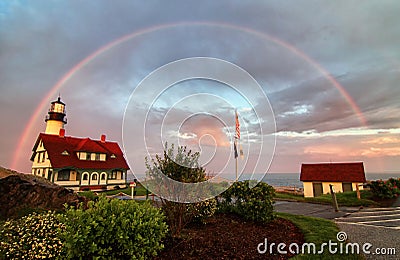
(293, 179)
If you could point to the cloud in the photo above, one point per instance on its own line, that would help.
(357, 43)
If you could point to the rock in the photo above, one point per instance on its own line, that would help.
(24, 191)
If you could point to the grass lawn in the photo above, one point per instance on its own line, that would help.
(318, 231)
(140, 191)
(343, 198)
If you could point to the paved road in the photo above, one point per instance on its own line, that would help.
(378, 217)
(312, 210)
(379, 226)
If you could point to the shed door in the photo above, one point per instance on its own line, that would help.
(317, 189)
(346, 186)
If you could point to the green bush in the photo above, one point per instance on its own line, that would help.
(386, 189)
(89, 195)
(113, 229)
(203, 210)
(35, 236)
(253, 204)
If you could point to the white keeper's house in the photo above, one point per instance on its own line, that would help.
(345, 176)
(76, 163)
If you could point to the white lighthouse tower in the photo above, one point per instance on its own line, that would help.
(55, 120)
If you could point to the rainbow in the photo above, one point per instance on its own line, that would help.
(53, 91)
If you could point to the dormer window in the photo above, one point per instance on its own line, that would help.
(88, 156)
(113, 156)
(65, 152)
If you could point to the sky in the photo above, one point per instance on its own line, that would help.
(320, 79)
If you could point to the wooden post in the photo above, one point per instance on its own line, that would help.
(335, 204)
(358, 192)
(132, 185)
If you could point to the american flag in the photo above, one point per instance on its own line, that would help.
(237, 126)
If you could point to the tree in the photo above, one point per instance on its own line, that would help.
(182, 167)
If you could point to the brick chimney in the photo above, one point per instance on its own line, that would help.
(61, 133)
(103, 138)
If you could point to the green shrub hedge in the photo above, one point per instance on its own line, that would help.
(113, 229)
(252, 204)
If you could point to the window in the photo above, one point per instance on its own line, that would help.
(85, 176)
(103, 176)
(88, 155)
(41, 157)
(94, 177)
(50, 175)
(81, 155)
(63, 175)
(112, 175)
(97, 157)
(115, 174)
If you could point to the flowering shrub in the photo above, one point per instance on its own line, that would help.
(203, 210)
(113, 229)
(386, 189)
(253, 204)
(35, 236)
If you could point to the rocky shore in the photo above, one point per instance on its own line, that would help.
(21, 192)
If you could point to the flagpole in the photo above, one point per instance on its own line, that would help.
(236, 159)
(237, 137)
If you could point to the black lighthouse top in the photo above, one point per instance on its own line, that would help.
(57, 111)
(58, 101)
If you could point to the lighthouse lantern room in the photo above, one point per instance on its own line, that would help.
(55, 120)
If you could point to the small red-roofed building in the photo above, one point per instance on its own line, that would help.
(344, 177)
(77, 163)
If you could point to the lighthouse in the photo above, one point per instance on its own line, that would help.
(74, 162)
(55, 119)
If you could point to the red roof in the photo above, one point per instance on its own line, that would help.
(333, 172)
(56, 147)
